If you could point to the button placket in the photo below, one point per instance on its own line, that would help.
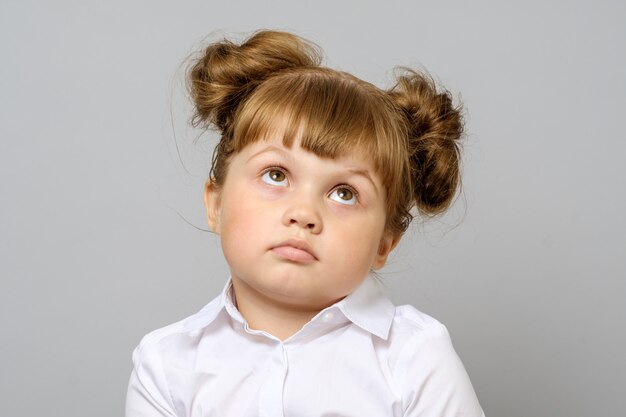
(271, 392)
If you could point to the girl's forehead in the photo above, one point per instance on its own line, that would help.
(275, 144)
(327, 138)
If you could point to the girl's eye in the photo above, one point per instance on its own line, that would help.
(275, 176)
(344, 195)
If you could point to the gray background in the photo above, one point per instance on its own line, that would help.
(100, 219)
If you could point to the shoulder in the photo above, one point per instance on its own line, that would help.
(149, 390)
(411, 325)
(419, 340)
(411, 318)
(168, 338)
(426, 367)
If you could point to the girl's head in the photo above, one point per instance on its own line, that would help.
(318, 156)
(274, 81)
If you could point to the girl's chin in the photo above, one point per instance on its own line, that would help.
(287, 293)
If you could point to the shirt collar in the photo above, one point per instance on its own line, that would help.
(367, 307)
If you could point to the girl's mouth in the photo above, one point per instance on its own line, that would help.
(295, 250)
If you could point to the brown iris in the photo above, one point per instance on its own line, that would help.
(277, 175)
(345, 194)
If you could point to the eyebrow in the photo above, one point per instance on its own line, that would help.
(354, 171)
(271, 148)
(363, 173)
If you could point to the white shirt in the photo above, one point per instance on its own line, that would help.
(362, 357)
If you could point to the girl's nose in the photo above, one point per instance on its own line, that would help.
(305, 215)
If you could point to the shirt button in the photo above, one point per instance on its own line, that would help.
(328, 316)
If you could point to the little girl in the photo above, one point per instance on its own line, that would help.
(311, 188)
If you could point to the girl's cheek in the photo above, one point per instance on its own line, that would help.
(341, 212)
(239, 222)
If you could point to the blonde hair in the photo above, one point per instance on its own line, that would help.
(409, 133)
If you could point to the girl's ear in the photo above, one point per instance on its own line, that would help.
(212, 204)
(387, 243)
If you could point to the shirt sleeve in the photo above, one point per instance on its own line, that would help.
(148, 393)
(433, 379)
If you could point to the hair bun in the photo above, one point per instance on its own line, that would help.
(226, 72)
(434, 127)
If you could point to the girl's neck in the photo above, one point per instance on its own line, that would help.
(262, 313)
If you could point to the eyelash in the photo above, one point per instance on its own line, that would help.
(284, 171)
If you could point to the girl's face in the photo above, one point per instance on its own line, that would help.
(297, 229)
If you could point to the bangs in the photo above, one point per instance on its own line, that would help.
(333, 114)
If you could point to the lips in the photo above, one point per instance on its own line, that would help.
(295, 250)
